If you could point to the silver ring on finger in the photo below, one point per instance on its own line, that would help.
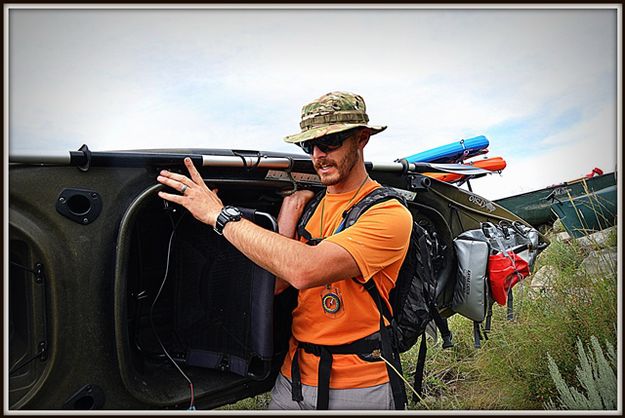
(183, 188)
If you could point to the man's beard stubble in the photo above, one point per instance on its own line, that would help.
(343, 166)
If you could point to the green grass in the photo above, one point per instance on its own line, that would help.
(255, 403)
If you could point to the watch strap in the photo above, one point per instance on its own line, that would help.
(224, 217)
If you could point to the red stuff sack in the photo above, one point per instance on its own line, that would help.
(504, 271)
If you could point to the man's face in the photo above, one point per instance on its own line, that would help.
(335, 166)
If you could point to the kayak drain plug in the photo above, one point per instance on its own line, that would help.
(79, 205)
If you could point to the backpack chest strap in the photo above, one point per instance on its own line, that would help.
(325, 354)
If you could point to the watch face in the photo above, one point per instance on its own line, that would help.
(232, 211)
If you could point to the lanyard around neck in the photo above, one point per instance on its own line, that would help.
(323, 205)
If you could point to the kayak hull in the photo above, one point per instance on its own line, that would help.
(535, 207)
(587, 213)
(90, 249)
(454, 152)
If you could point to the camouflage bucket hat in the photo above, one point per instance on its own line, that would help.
(331, 113)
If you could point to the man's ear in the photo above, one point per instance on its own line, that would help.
(363, 139)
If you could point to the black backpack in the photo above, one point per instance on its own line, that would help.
(413, 299)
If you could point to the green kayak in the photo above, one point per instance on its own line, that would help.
(535, 206)
(588, 213)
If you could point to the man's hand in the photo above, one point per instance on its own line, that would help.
(196, 197)
(291, 210)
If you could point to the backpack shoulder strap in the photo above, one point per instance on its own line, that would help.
(350, 217)
(379, 195)
(389, 351)
(309, 210)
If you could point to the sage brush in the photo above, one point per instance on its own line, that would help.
(596, 374)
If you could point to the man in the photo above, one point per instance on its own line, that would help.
(333, 309)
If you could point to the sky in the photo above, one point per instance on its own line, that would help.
(540, 84)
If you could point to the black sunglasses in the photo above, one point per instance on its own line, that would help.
(326, 143)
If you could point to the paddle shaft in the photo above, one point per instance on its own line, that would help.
(85, 159)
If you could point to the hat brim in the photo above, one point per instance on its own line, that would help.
(329, 129)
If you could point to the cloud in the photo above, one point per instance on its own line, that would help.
(583, 150)
(528, 79)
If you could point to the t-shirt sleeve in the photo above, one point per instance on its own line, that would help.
(378, 239)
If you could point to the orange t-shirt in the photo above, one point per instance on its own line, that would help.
(343, 312)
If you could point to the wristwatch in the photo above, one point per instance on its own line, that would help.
(228, 213)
